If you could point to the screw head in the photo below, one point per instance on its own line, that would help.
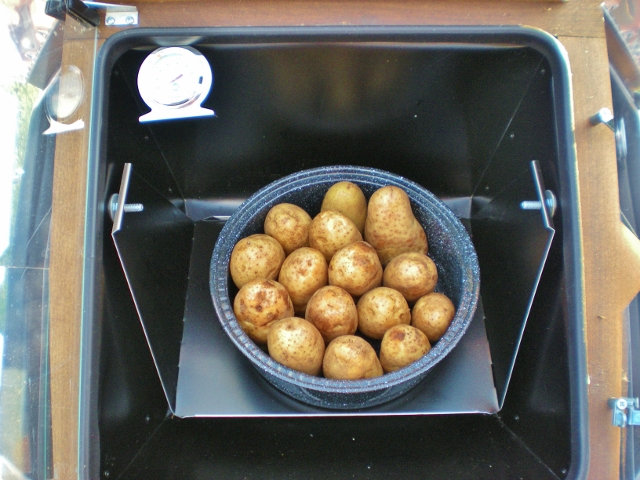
(129, 20)
(110, 20)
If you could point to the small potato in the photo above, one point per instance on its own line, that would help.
(412, 274)
(391, 227)
(356, 268)
(289, 224)
(330, 231)
(297, 344)
(401, 346)
(350, 358)
(260, 303)
(433, 314)
(380, 309)
(333, 312)
(256, 256)
(348, 199)
(302, 273)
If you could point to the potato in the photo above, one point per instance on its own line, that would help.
(297, 344)
(302, 273)
(350, 358)
(260, 303)
(391, 228)
(289, 224)
(348, 199)
(401, 346)
(380, 309)
(412, 274)
(432, 314)
(333, 312)
(356, 268)
(256, 256)
(330, 231)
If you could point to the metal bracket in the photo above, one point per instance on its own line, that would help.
(86, 12)
(117, 15)
(617, 126)
(621, 418)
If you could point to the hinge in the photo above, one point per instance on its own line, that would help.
(87, 12)
(626, 411)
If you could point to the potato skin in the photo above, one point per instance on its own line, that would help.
(256, 256)
(330, 231)
(333, 312)
(412, 274)
(259, 304)
(289, 225)
(391, 228)
(401, 346)
(380, 309)
(297, 344)
(356, 268)
(302, 273)
(348, 199)
(433, 314)
(350, 358)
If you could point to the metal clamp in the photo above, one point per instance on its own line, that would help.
(626, 411)
(617, 126)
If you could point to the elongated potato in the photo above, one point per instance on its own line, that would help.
(356, 268)
(412, 274)
(348, 199)
(256, 256)
(391, 228)
(289, 224)
(401, 346)
(260, 303)
(330, 231)
(350, 358)
(297, 344)
(302, 273)
(380, 309)
(333, 311)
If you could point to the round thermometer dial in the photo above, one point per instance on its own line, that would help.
(174, 78)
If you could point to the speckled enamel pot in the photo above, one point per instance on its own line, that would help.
(449, 246)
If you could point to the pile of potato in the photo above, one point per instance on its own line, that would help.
(354, 267)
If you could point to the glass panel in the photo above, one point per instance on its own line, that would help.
(38, 100)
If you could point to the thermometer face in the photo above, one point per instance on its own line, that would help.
(174, 77)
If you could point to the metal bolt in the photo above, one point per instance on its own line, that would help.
(110, 20)
(129, 20)
(550, 201)
(128, 207)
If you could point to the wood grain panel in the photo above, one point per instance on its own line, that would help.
(574, 18)
(66, 263)
(609, 280)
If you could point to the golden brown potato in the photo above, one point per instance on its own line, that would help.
(289, 224)
(412, 274)
(401, 346)
(330, 231)
(333, 312)
(256, 256)
(297, 344)
(258, 304)
(380, 309)
(350, 358)
(302, 273)
(356, 268)
(433, 314)
(391, 228)
(348, 199)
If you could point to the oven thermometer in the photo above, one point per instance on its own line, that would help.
(173, 82)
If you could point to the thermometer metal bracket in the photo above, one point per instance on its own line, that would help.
(161, 113)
